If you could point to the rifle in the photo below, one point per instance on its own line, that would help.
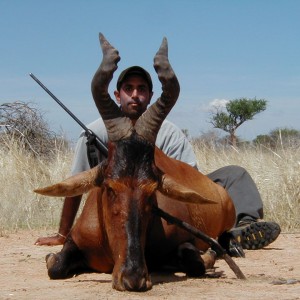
(92, 138)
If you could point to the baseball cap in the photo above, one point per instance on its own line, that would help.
(135, 70)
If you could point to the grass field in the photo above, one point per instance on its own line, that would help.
(276, 174)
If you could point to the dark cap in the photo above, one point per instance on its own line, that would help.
(135, 70)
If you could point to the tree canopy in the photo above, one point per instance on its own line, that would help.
(237, 112)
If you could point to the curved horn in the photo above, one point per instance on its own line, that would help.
(149, 123)
(75, 185)
(116, 124)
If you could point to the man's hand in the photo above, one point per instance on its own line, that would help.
(55, 240)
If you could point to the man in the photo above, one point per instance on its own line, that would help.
(133, 94)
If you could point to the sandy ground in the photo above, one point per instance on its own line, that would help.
(272, 273)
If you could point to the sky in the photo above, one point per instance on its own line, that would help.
(220, 51)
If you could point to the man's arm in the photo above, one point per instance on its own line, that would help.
(70, 208)
(71, 204)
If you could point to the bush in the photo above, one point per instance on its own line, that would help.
(25, 125)
(279, 138)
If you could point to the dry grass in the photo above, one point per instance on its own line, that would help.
(275, 173)
(20, 174)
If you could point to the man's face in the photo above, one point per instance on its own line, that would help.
(134, 96)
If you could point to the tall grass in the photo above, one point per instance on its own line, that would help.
(276, 174)
(21, 173)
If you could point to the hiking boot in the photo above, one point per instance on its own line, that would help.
(253, 235)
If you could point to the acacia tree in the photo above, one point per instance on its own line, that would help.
(237, 112)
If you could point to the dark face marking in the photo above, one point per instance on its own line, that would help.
(130, 181)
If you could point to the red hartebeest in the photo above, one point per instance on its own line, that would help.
(116, 231)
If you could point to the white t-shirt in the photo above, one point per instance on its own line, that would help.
(170, 139)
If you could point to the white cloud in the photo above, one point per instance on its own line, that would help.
(215, 104)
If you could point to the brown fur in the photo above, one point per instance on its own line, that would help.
(117, 232)
(90, 233)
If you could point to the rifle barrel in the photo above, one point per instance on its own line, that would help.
(59, 102)
(100, 145)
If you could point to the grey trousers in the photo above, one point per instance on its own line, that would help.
(242, 189)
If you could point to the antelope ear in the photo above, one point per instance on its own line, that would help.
(75, 185)
(171, 188)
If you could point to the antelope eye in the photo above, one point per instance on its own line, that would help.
(110, 191)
